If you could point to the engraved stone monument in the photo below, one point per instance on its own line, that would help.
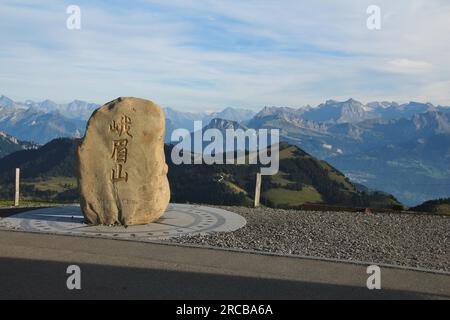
(122, 170)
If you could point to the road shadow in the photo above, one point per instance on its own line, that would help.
(7, 212)
(32, 279)
(58, 214)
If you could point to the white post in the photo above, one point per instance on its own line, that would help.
(16, 198)
(257, 189)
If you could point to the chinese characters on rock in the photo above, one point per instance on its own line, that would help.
(121, 129)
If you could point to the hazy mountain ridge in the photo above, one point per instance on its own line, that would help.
(10, 144)
(33, 125)
(231, 114)
(76, 109)
(47, 120)
(224, 124)
(347, 119)
(181, 119)
(350, 111)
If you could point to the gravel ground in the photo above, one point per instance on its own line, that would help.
(400, 239)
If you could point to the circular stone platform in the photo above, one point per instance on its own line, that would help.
(179, 219)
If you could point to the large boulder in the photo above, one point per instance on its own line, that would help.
(122, 168)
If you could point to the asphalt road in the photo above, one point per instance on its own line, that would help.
(34, 266)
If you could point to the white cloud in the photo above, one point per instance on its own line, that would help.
(408, 66)
(272, 52)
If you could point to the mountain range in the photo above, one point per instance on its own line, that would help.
(43, 121)
(76, 109)
(403, 149)
(31, 124)
(185, 120)
(407, 155)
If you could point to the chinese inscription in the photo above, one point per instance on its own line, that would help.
(122, 127)
(120, 147)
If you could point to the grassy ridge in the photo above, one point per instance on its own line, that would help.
(439, 206)
(49, 174)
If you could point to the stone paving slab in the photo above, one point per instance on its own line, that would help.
(179, 219)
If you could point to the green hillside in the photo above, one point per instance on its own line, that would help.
(49, 174)
(440, 206)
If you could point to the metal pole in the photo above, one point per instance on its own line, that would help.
(257, 189)
(16, 198)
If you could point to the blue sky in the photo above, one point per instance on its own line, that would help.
(206, 55)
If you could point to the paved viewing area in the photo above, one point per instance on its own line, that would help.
(37, 246)
(179, 219)
(34, 266)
